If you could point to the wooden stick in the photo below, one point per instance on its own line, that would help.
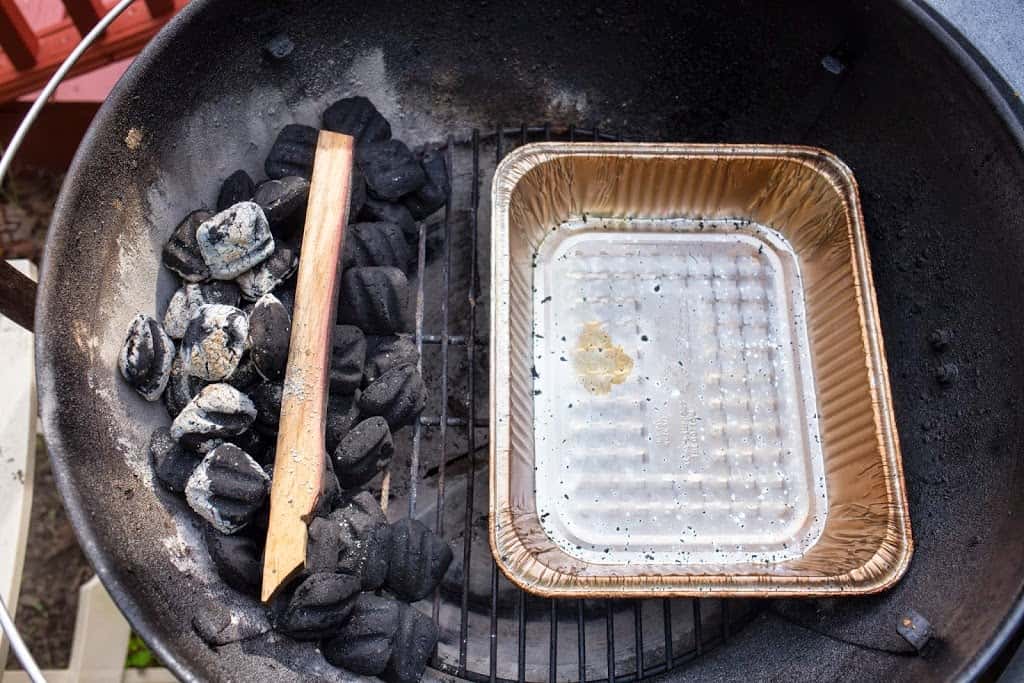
(301, 449)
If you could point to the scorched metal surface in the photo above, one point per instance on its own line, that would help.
(933, 142)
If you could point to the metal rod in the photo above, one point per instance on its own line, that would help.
(21, 650)
(581, 641)
(467, 545)
(494, 622)
(414, 457)
(666, 612)
(522, 637)
(553, 649)
(610, 638)
(639, 643)
(698, 640)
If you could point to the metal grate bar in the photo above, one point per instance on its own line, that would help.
(494, 623)
(434, 421)
(522, 636)
(581, 641)
(610, 635)
(639, 644)
(417, 434)
(698, 641)
(666, 610)
(553, 650)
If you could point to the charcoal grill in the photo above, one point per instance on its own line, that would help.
(934, 138)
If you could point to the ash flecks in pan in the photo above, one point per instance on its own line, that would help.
(146, 357)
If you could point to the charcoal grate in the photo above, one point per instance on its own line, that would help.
(555, 640)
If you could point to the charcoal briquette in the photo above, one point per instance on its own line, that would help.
(270, 331)
(237, 558)
(398, 396)
(376, 244)
(385, 353)
(292, 152)
(181, 387)
(433, 194)
(237, 187)
(379, 211)
(352, 539)
(187, 300)
(356, 116)
(235, 240)
(365, 451)
(172, 463)
(417, 560)
(227, 488)
(284, 203)
(414, 642)
(342, 414)
(390, 169)
(374, 299)
(319, 606)
(348, 353)
(219, 624)
(364, 644)
(182, 254)
(267, 276)
(266, 396)
(357, 194)
(259, 447)
(245, 375)
(214, 341)
(218, 411)
(146, 357)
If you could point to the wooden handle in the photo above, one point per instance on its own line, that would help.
(299, 462)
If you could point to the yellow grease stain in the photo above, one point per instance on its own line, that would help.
(599, 363)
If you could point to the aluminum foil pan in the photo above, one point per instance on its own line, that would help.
(689, 389)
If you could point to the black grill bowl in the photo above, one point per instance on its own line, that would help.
(932, 135)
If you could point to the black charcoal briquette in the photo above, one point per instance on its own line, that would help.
(237, 187)
(378, 211)
(417, 560)
(227, 488)
(433, 194)
(266, 396)
(356, 116)
(376, 244)
(235, 240)
(172, 464)
(357, 194)
(319, 606)
(342, 414)
(146, 357)
(270, 331)
(218, 411)
(352, 539)
(269, 275)
(259, 447)
(237, 558)
(390, 169)
(182, 254)
(374, 299)
(214, 342)
(245, 375)
(284, 204)
(181, 387)
(365, 451)
(398, 396)
(292, 153)
(348, 353)
(414, 641)
(364, 644)
(386, 353)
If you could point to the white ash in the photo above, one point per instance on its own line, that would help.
(177, 315)
(199, 495)
(264, 278)
(235, 240)
(218, 410)
(214, 341)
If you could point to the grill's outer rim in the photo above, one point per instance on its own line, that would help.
(518, 562)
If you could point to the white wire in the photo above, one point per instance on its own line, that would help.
(21, 651)
(55, 80)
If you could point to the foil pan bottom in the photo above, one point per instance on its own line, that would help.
(679, 422)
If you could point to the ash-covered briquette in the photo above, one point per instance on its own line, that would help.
(363, 453)
(414, 641)
(376, 244)
(364, 644)
(270, 331)
(237, 187)
(172, 464)
(292, 152)
(181, 387)
(348, 353)
(221, 624)
(386, 353)
(238, 559)
(374, 299)
(434, 193)
(417, 560)
(214, 342)
(284, 203)
(235, 240)
(187, 300)
(182, 254)
(398, 396)
(268, 276)
(379, 211)
(356, 116)
(342, 414)
(319, 606)
(352, 539)
(266, 396)
(227, 488)
(390, 169)
(146, 357)
(219, 411)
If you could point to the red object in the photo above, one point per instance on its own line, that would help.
(16, 36)
(85, 13)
